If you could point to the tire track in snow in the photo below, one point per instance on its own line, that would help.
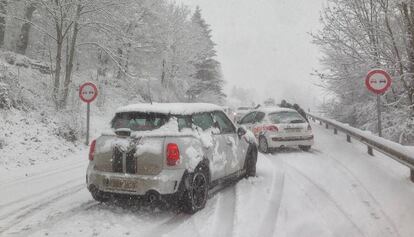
(222, 199)
(170, 225)
(369, 200)
(54, 218)
(34, 195)
(40, 176)
(269, 221)
(324, 202)
(225, 213)
(17, 216)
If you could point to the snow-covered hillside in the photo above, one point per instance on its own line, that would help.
(32, 131)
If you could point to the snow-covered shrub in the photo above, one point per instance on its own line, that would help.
(69, 126)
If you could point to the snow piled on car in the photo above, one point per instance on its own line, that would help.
(170, 108)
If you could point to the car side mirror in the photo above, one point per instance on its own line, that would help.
(241, 131)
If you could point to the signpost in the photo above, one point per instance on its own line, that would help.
(378, 82)
(88, 93)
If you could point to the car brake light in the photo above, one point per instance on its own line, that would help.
(92, 150)
(309, 127)
(173, 154)
(271, 128)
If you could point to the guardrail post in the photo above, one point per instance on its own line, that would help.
(370, 151)
(327, 126)
(348, 138)
(412, 175)
(335, 131)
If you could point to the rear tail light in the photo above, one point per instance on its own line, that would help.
(173, 154)
(92, 150)
(309, 127)
(271, 128)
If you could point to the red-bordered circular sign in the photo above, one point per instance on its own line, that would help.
(88, 92)
(378, 81)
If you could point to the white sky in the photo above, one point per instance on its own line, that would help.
(264, 44)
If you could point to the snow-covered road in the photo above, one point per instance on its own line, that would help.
(334, 190)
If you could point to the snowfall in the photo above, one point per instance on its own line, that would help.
(336, 189)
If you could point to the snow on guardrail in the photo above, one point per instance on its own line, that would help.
(391, 149)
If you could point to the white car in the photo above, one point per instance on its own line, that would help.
(169, 153)
(279, 127)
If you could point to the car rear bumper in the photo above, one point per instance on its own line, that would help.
(276, 142)
(167, 182)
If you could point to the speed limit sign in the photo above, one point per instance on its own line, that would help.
(378, 81)
(88, 92)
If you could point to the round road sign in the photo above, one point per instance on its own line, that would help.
(88, 92)
(378, 81)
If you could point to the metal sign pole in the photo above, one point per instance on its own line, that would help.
(88, 111)
(379, 115)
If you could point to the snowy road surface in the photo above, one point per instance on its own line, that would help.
(334, 190)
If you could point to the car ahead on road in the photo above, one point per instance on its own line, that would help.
(279, 127)
(240, 112)
(169, 152)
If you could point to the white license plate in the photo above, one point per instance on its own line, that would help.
(122, 184)
(293, 130)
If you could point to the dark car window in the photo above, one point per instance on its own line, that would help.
(203, 120)
(224, 123)
(259, 117)
(249, 118)
(184, 122)
(286, 117)
(139, 121)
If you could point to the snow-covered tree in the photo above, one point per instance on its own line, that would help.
(358, 36)
(208, 77)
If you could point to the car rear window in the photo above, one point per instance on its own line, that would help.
(139, 121)
(286, 117)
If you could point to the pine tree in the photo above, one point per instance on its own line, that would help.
(208, 83)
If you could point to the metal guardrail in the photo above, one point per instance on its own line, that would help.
(388, 148)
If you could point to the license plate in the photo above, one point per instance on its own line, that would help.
(122, 184)
(293, 130)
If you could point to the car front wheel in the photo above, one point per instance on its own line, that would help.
(99, 195)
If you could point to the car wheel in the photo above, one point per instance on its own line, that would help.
(195, 197)
(99, 195)
(305, 148)
(251, 160)
(263, 146)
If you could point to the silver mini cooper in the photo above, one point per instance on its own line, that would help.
(169, 152)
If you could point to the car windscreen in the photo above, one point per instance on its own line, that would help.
(137, 121)
(285, 117)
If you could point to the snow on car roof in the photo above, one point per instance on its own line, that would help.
(268, 110)
(170, 108)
